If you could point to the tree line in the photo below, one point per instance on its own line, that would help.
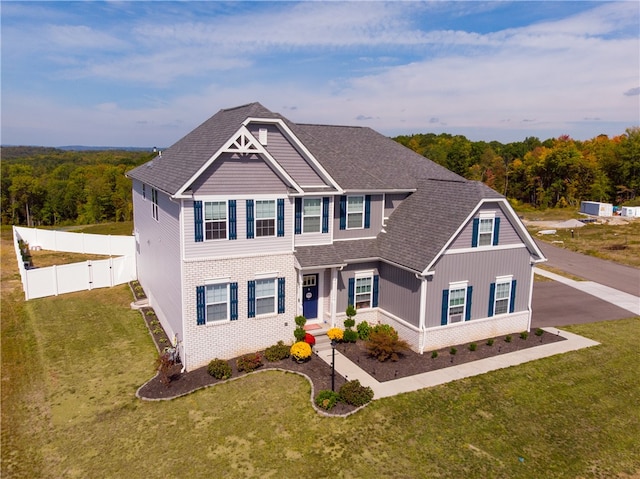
(552, 173)
(48, 186)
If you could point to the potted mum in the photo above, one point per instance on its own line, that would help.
(301, 351)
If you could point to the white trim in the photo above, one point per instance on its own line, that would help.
(398, 319)
(302, 215)
(346, 222)
(364, 274)
(266, 275)
(220, 280)
(479, 249)
(204, 220)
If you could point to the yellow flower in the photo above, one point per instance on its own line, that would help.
(300, 350)
(335, 333)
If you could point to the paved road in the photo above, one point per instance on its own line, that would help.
(556, 304)
(620, 277)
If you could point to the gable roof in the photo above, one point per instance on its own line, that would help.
(356, 158)
(421, 226)
(172, 169)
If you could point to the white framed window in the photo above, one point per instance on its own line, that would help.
(265, 218)
(265, 296)
(502, 295)
(217, 302)
(154, 205)
(485, 232)
(363, 290)
(215, 220)
(355, 212)
(457, 302)
(311, 215)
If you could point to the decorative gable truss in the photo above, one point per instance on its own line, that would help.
(241, 143)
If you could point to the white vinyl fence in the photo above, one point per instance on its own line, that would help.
(40, 282)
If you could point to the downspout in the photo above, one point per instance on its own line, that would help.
(423, 310)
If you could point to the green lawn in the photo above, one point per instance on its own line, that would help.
(71, 365)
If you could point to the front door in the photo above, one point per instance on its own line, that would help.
(310, 296)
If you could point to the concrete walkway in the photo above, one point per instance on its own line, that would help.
(351, 371)
(619, 298)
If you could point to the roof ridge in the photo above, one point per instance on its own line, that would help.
(243, 106)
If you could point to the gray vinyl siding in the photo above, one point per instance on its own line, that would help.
(399, 293)
(240, 246)
(287, 156)
(392, 201)
(343, 282)
(508, 234)
(377, 207)
(312, 239)
(480, 269)
(158, 258)
(234, 175)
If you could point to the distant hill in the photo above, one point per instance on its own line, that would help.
(103, 148)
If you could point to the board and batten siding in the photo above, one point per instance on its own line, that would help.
(240, 246)
(480, 269)
(507, 234)
(377, 207)
(399, 293)
(161, 280)
(287, 156)
(232, 175)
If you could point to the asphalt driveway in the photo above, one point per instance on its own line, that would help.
(556, 304)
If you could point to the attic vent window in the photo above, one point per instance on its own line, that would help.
(262, 136)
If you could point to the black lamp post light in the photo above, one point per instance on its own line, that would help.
(333, 364)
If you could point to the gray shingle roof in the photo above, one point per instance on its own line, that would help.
(340, 252)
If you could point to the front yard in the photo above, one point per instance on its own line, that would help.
(71, 365)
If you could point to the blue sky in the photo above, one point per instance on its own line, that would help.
(147, 73)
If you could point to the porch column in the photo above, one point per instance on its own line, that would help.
(299, 293)
(334, 295)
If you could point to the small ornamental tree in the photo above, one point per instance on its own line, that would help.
(299, 332)
(350, 312)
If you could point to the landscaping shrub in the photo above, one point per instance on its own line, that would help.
(352, 392)
(301, 351)
(335, 334)
(219, 369)
(434, 354)
(507, 338)
(473, 347)
(327, 399)
(490, 342)
(539, 332)
(363, 330)
(164, 365)
(299, 332)
(384, 343)
(277, 352)
(249, 362)
(350, 312)
(524, 335)
(453, 351)
(350, 336)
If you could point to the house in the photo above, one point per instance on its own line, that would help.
(595, 208)
(251, 219)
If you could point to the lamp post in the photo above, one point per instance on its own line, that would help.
(333, 364)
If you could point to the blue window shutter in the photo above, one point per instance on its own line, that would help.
(197, 221)
(351, 292)
(512, 299)
(325, 214)
(343, 212)
(467, 313)
(367, 211)
(496, 231)
(374, 301)
(445, 307)
(251, 296)
(474, 234)
(492, 298)
(281, 295)
(201, 306)
(298, 216)
(233, 301)
(249, 219)
(232, 220)
(280, 220)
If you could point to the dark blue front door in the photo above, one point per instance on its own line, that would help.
(310, 296)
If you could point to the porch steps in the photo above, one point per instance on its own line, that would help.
(323, 343)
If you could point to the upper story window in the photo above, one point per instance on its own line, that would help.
(154, 206)
(215, 220)
(265, 218)
(486, 229)
(355, 212)
(311, 215)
